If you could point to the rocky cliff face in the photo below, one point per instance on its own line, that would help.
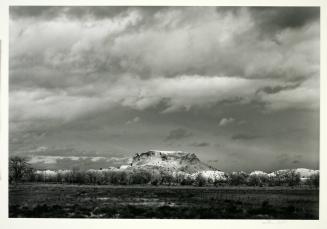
(172, 161)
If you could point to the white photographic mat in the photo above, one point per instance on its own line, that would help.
(162, 114)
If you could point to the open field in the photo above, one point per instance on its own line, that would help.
(88, 201)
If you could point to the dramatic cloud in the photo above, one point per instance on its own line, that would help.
(133, 92)
(118, 79)
(305, 96)
(178, 134)
(278, 18)
(101, 56)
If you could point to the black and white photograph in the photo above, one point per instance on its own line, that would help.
(164, 112)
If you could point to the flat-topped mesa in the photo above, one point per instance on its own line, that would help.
(168, 152)
(172, 160)
(164, 155)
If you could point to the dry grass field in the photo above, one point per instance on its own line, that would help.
(179, 202)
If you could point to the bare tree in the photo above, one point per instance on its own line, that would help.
(293, 178)
(313, 180)
(18, 168)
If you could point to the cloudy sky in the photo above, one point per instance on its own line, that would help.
(237, 86)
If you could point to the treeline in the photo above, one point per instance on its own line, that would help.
(280, 178)
(20, 171)
(101, 177)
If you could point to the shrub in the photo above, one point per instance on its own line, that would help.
(220, 182)
(140, 177)
(287, 177)
(167, 178)
(156, 178)
(237, 178)
(313, 180)
(120, 177)
(187, 181)
(293, 178)
(200, 180)
(257, 180)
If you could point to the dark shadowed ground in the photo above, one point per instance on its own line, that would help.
(87, 201)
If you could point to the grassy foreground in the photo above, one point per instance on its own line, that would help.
(180, 202)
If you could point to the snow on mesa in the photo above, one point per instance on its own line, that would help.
(167, 151)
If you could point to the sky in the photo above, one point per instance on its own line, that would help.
(237, 86)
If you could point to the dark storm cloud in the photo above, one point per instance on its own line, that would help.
(244, 137)
(77, 12)
(178, 134)
(52, 12)
(79, 75)
(129, 48)
(34, 11)
(200, 144)
(276, 89)
(228, 9)
(271, 19)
